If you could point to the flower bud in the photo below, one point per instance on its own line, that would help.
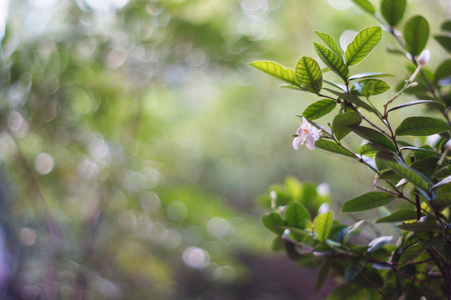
(424, 57)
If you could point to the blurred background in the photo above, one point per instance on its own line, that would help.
(135, 141)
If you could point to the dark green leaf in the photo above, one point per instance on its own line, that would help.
(399, 216)
(353, 268)
(415, 251)
(393, 10)
(373, 136)
(276, 70)
(353, 99)
(333, 147)
(365, 5)
(296, 215)
(425, 149)
(443, 71)
(331, 43)
(318, 109)
(426, 166)
(416, 34)
(446, 26)
(415, 103)
(293, 87)
(362, 45)
(341, 123)
(348, 292)
(429, 223)
(367, 201)
(308, 74)
(369, 75)
(421, 126)
(387, 160)
(322, 225)
(273, 221)
(442, 201)
(444, 41)
(322, 273)
(369, 148)
(331, 60)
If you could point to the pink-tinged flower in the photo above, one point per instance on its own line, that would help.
(424, 57)
(306, 134)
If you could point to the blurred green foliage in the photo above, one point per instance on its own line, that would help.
(135, 139)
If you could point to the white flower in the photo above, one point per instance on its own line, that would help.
(306, 134)
(424, 57)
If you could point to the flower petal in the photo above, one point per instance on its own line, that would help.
(310, 142)
(298, 141)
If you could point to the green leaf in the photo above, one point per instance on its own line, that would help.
(318, 109)
(362, 45)
(351, 229)
(341, 123)
(367, 201)
(296, 215)
(353, 99)
(426, 149)
(421, 126)
(415, 251)
(393, 10)
(276, 70)
(322, 273)
(331, 43)
(373, 87)
(365, 5)
(373, 136)
(332, 61)
(308, 74)
(340, 86)
(442, 201)
(419, 226)
(353, 268)
(444, 41)
(348, 292)
(416, 34)
(426, 166)
(399, 216)
(370, 75)
(387, 160)
(446, 26)
(273, 221)
(443, 71)
(415, 103)
(333, 147)
(322, 225)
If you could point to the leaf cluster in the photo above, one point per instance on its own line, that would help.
(412, 174)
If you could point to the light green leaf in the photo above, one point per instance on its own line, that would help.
(318, 109)
(393, 10)
(387, 160)
(332, 61)
(365, 5)
(373, 87)
(308, 74)
(362, 45)
(416, 34)
(444, 41)
(341, 123)
(333, 147)
(415, 103)
(399, 216)
(331, 43)
(367, 201)
(351, 230)
(296, 215)
(340, 86)
(415, 251)
(373, 136)
(322, 225)
(369, 75)
(276, 70)
(273, 221)
(421, 126)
